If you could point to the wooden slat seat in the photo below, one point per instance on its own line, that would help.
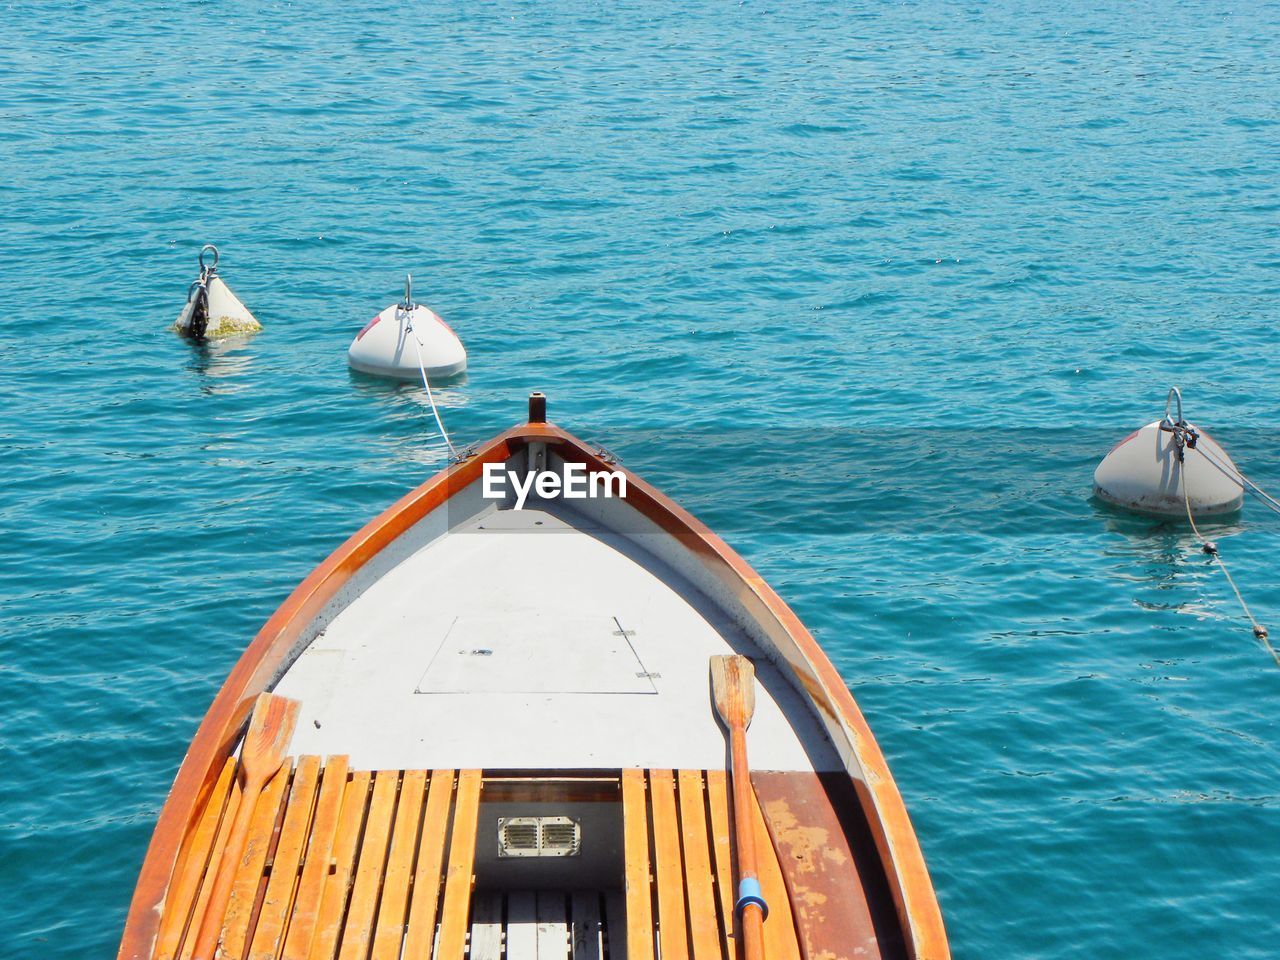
(338, 866)
(685, 818)
(360, 865)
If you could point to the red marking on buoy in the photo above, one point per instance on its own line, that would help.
(1109, 452)
(368, 326)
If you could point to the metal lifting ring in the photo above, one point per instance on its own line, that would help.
(408, 303)
(1184, 435)
(212, 268)
(1174, 394)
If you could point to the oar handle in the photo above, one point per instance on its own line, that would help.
(216, 908)
(751, 908)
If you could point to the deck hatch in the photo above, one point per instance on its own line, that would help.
(535, 653)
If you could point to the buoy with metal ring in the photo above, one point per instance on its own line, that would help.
(212, 311)
(1170, 467)
(407, 341)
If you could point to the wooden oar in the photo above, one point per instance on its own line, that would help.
(733, 685)
(261, 756)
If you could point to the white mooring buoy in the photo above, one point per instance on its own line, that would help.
(1170, 467)
(212, 311)
(407, 341)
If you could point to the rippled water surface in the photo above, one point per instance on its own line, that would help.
(869, 289)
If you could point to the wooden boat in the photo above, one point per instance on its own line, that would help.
(506, 748)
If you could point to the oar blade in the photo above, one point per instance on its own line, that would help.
(733, 687)
(267, 739)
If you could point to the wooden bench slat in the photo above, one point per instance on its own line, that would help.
(722, 850)
(237, 923)
(358, 871)
(780, 941)
(673, 937)
(704, 930)
(394, 907)
(421, 932)
(454, 915)
(315, 860)
(639, 914)
(346, 843)
(278, 901)
(584, 905)
(185, 885)
(357, 929)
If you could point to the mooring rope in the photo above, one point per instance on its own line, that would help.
(1234, 473)
(1211, 548)
(408, 307)
(453, 453)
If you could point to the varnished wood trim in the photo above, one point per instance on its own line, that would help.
(722, 848)
(635, 829)
(704, 928)
(342, 857)
(421, 933)
(393, 908)
(455, 913)
(277, 904)
(306, 910)
(505, 789)
(357, 925)
(668, 867)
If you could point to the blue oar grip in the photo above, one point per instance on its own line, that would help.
(749, 892)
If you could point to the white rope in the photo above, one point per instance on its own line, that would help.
(1233, 473)
(1211, 548)
(417, 345)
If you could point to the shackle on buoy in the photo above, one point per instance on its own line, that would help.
(1185, 436)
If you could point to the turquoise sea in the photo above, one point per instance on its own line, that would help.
(870, 288)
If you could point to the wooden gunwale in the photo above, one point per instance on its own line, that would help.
(219, 731)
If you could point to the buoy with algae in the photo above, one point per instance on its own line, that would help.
(1170, 467)
(212, 311)
(407, 341)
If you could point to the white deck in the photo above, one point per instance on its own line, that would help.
(520, 641)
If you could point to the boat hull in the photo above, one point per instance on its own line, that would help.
(882, 837)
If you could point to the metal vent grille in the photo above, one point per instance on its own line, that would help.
(519, 839)
(539, 837)
(562, 838)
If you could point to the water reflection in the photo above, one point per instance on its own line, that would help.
(369, 383)
(221, 364)
(413, 436)
(1142, 530)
